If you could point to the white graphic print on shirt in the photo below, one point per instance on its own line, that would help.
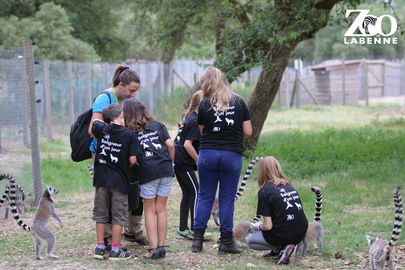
(288, 198)
(230, 111)
(146, 139)
(112, 147)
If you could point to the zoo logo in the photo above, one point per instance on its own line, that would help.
(369, 25)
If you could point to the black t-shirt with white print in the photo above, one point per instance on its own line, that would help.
(283, 204)
(189, 130)
(223, 130)
(154, 161)
(116, 144)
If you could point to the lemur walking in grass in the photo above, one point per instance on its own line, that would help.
(315, 229)
(39, 232)
(382, 250)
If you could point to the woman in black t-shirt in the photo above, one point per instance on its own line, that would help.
(285, 223)
(224, 120)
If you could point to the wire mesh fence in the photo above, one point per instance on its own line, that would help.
(19, 144)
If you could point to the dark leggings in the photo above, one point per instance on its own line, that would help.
(138, 211)
(189, 186)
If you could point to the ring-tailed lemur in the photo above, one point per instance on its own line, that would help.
(39, 232)
(381, 250)
(241, 230)
(239, 193)
(315, 228)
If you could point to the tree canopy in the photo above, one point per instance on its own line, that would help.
(247, 34)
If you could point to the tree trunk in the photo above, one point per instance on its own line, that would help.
(265, 92)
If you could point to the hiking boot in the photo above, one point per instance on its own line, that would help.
(228, 245)
(198, 240)
(99, 253)
(207, 235)
(285, 255)
(186, 234)
(273, 254)
(141, 239)
(120, 255)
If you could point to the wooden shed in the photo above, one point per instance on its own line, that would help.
(337, 82)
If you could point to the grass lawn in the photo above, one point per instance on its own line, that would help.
(355, 154)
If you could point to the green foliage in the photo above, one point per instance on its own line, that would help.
(51, 29)
(169, 108)
(97, 22)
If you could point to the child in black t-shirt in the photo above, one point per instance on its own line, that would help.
(155, 172)
(187, 146)
(285, 223)
(116, 152)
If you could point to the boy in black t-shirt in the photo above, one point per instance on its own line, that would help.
(116, 152)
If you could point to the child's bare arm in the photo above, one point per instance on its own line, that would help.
(170, 148)
(132, 160)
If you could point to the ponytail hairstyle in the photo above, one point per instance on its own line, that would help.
(270, 170)
(194, 102)
(125, 75)
(136, 116)
(216, 87)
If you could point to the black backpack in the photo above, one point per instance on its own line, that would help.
(79, 137)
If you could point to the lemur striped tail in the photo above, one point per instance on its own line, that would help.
(12, 199)
(248, 172)
(91, 170)
(7, 191)
(398, 216)
(318, 203)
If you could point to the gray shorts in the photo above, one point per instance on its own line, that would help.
(160, 186)
(110, 206)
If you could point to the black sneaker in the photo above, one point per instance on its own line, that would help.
(120, 255)
(273, 254)
(99, 253)
(285, 255)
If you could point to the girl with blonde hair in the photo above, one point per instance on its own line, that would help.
(284, 222)
(224, 120)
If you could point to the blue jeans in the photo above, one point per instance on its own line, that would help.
(217, 167)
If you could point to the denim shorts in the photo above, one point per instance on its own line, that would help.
(160, 186)
(110, 206)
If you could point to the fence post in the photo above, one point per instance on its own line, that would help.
(48, 108)
(297, 64)
(150, 87)
(88, 85)
(343, 80)
(70, 90)
(365, 81)
(287, 88)
(35, 155)
(162, 77)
